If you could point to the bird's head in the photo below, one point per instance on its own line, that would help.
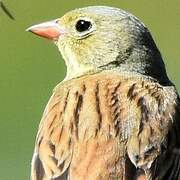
(95, 38)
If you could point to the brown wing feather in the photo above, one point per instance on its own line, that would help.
(157, 137)
(53, 145)
(104, 126)
(167, 165)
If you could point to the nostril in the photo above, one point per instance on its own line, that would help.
(57, 21)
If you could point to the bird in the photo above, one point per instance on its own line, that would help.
(116, 114)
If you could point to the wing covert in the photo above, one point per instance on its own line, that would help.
(53, 149)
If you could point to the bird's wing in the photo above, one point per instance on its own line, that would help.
(97, 122)
(157, 138)
(77, 127)
(167, 165)
(53, 149)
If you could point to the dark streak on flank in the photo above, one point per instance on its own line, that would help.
(60, 134)
(84, 88)
(61, 166)
(98, 106)
(131, 94)
(66, 101)
(116, 111)
(52, 123)
(52, 147)
(117, 87)
(77, 111)
(144, 112)
(55, 116)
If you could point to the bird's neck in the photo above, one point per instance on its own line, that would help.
(153, 68)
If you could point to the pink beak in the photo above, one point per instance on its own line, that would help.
(50, 30)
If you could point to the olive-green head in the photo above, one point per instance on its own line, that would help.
(95, 38)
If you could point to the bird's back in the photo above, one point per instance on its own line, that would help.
(104, 126)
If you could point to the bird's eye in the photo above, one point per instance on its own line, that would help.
(83, 25)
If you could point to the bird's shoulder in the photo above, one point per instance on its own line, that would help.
(105, 105)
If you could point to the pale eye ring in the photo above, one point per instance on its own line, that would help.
(83, 25)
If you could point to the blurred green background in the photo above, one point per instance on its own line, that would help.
(30, 67)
